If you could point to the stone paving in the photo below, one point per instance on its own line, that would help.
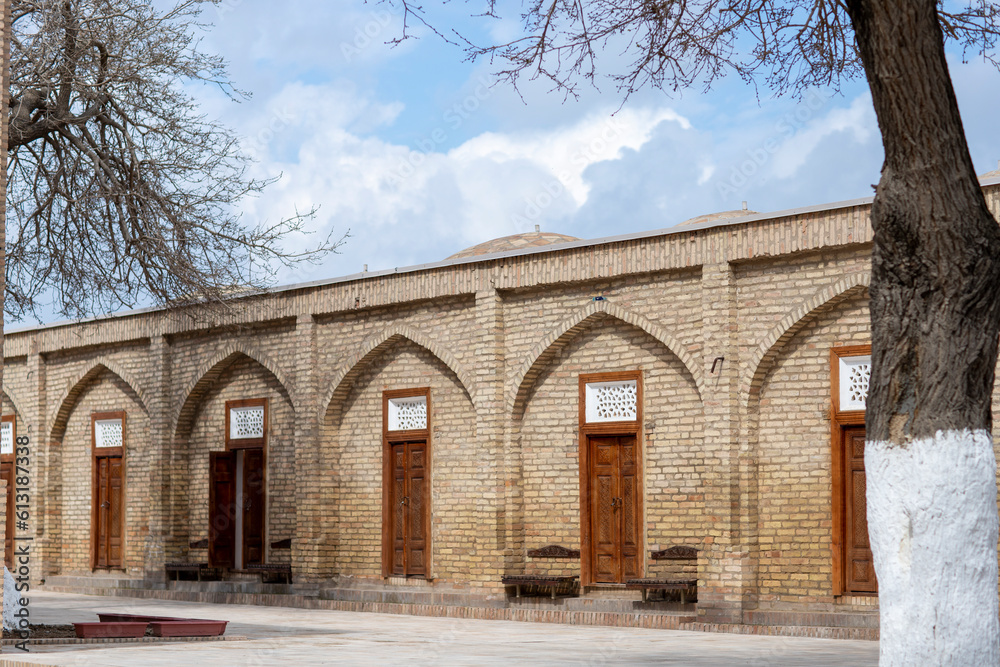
(279, 635)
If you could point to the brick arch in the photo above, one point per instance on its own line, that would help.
(576, 324)
(210, 372)
(18, 413)
(377, 344)
(792, 323)
(68, 400)
(15, 402)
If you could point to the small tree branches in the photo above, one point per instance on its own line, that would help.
(788, 45)
(118, 186)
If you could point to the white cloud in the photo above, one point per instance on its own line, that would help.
(567, 151)
(858, 120)
(408, 206)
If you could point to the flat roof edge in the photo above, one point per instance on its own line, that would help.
(679, 228)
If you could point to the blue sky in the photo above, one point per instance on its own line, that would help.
(420, 154)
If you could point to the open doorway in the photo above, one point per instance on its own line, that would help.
(237, 489)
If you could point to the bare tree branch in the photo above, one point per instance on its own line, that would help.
(119, 188)
(787, 45)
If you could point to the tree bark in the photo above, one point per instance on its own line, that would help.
(929, 458)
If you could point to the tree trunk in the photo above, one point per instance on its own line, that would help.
(931, 471)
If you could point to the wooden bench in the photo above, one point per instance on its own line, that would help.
(272, 574)
(554, 551)
(201, 571)
(686, 587)
(552, 585)
(675, 553)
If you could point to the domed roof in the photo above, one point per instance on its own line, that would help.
(514, 242)
(710, 217)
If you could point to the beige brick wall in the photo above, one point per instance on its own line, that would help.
(353, 442)
(243, 379)
(531, 314)
(549, 443)
(748, 483)
(794, 459)
(105, 393)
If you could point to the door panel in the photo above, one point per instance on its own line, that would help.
(630, 536)
(859, 568)
(605, 528)
(222, 509)
(115, 512)
(108, 514)
(253, 506)
(615, 526)
(409, 518)
(416, 521)
(398, 505)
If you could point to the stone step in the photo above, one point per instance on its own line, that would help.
(815, 631)
(101, 581)
(855, 619)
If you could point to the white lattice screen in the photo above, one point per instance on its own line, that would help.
(245, 423)
(7, 438)
(407, 414)
(854, 374)
(611, 401)
(108, 433)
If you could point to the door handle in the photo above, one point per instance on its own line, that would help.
(405, 500)
(105, 504)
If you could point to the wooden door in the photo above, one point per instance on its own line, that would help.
(859, 569)
(408, 503)
(615, 535)
(7, 474)
(222, 509)
(253, 506)
(108, 513)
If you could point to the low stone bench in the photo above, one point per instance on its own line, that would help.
(531, 582)
(687, 587)
(269, 572)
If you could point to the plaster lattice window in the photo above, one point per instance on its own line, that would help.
(245, 423)
(611, 401)
(7, 438)
(407, 414)
(854, 375)
(108, 433)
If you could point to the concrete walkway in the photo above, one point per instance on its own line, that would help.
(279, 635)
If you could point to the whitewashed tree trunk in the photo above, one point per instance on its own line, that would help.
(932, 517)
(935, 309)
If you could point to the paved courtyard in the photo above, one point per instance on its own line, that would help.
(278, 635)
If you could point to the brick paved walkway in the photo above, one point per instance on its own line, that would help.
(277, 635)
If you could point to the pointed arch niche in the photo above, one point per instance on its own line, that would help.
(789, 426)
(233, 377)
(73, 516)
(543, 504)
(352, 444)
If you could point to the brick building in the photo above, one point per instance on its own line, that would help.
(410, 435)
